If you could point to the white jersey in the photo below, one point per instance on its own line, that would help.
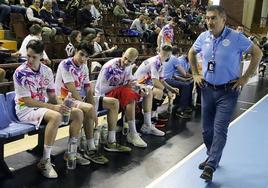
(111, 76)
(69, 72)
(34, 84)
(151, 68)
(167, 35)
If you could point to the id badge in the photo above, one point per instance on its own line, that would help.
(211, 66)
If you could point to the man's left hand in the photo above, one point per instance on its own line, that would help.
(240, 82)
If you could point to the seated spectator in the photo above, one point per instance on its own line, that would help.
(33, 83)
(2, 74)
(150, 73)
(89, 39)
(55, 7)
(240, 29)
(147, 35)
(107, 3)
(73, 76)
(6, 8)
(176, 74)
(159, 21)
(139, 25)
(116, 80)
(109, 52)
(158, 2)
(74, 39)
(132, 7)
(47, 15)
(263, 41)
(153, 31)
(98, 50)
(33, 16)
(35, 34)
(94, 11)
(165, 12)
(152, 25)
(85, 19)
(119, 9)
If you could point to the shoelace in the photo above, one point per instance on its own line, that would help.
(47, 165)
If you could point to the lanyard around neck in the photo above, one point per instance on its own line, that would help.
(217, 42)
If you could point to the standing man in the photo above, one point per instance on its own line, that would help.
(220, 80)
(166, 35)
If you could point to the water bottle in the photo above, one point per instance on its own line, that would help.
(72, 151)
(104, 134)
(68, 101)
(83, 142)
(96, 136)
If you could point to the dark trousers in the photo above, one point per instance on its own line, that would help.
(217, 108)
(185, 98)
(5, 11)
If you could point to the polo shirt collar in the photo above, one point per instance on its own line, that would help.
(223, 34)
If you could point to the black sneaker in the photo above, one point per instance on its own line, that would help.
(203, 164)
(95, 157)
(207, 174)
(183, 115)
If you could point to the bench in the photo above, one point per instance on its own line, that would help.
(11, 129)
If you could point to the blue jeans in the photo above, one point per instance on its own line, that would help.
(185, 98)
(5, 11)
(217, 108)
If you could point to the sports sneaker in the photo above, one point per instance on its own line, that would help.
(145, 129)
(80, 160)
(47, 169)
(136, 140)
(183, 115)
(207, 174)
(95, 157)
(115, 147)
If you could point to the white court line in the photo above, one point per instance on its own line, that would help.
(245, 109)
(188, 157)
(245, 102)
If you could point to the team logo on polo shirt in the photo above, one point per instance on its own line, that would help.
(46, 82)
(226, 42)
